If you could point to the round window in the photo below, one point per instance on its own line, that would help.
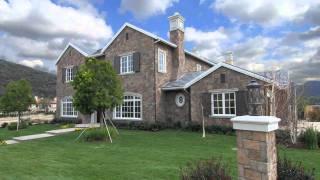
(180, 100)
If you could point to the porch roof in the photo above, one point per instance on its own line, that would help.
(183, 81)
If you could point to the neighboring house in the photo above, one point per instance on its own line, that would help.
(312, 112)
(44, 105)
(162, 81)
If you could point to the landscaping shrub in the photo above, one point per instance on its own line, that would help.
(310, 138)
(98, 134)
(283, 137)
(287, 170)
(216, 129)
(4, 125)
(140, 125)
(205, 170)
(66, 121)
(13, 126)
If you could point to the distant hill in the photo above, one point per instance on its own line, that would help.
(311, 88)
(43, 83)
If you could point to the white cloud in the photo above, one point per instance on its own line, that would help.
(271, 12)
(32, 63)
(210, 43)
(40, 29)
(142, 9)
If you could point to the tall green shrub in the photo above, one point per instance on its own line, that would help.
(311, 138)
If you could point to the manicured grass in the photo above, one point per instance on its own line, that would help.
(133, 155)
(6, 134)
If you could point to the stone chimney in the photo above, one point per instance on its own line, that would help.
(229, 57)
(177, 37)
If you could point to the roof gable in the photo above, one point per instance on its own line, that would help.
(137, 29)
(214, 68)
(74, 47)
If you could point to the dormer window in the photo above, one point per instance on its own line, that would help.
(162, 61)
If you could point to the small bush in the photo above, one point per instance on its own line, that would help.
(310, 138)
(4, 125)
(283, 137)
(286, 170)
(205, 170)
(13, 126)
(66, 121)
(98, 134)
(216, 129)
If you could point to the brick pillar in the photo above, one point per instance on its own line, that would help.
(256, 144)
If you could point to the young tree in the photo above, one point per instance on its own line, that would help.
(97, 88)
(17, 98)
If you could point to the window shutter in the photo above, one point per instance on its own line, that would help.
(136, 61)
(116, 64)
(206, 103)
(242, 103)
(63, 75)
(75, 70)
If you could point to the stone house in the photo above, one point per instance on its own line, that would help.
(163, 82)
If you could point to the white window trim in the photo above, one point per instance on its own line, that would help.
(199, 67)
(67, 78)
(127, 64)
(224, 115)
(164, 70)
(130, 119)
(61, 109)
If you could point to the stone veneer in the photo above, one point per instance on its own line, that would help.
(256, 144)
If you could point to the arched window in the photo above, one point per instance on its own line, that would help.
(131, 107)
(67, 109)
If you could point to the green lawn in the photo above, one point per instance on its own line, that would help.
(133, 155)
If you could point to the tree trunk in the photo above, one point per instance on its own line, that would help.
(18, 123)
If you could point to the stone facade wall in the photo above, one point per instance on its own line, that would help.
(191, 64)
(173, 113)
(257, 156)
(70, 58)
(212, 82)
(142, 82)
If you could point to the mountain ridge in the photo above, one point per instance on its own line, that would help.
(43, 83)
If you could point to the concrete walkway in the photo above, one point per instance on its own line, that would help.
(47, 134)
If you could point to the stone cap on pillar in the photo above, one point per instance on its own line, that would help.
(255, 123)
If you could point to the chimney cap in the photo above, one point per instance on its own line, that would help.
(176, 22)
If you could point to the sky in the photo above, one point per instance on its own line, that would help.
(263, 35)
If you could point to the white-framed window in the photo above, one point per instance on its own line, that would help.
(162, 61)
(199, 67)
(223, 104)
(67, 109)
(69, 74)
(131, 108)
(126, 64)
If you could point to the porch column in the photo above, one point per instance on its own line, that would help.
(256, 154)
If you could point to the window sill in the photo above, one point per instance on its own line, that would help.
(66, 116)
(163, 72)
(222, 116)
(128, 119)
(129, 73)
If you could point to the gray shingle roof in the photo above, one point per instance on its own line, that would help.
(182, 81)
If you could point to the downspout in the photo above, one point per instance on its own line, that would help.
(189, 94)
(155, 83)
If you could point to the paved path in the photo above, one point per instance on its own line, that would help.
(39, 136)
